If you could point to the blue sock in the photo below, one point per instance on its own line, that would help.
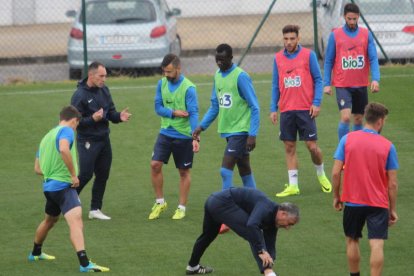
(227, 178)
(343, 129)
(357, 127)
(248, 181)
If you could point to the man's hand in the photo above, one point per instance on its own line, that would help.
(196, 146)
(314, 111)
(393, 218)
(273, 117)
(180, 113)
(75, 181)
(251, 143)
(196, 133)
(98, 115)
(267, 260)
(125, 115)
(374, 87)
(327, 90)
(337, 204)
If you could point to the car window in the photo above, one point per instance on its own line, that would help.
(386, 7)
(118, 12)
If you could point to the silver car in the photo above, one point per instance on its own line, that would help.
(123, 34)
(392, 22)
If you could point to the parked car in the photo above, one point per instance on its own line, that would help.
(123, 34)
(392, 22)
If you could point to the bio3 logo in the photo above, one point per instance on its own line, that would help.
(353, 63)
(225, 100)
(292, 82)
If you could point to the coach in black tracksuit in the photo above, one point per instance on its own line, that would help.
(250, 214)
(93, 100)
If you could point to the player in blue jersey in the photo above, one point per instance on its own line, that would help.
(234, 101)
(350, 53)
(176, 104)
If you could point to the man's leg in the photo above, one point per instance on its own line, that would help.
(344, 101)
(353, 254)
(245, 171)
(157, 178)
(377, 256)
(358, 121)
(226, 171)
(102, 169)
(359, 102)
(317, 159)
(40, 236)
(87, 152)
(345, 118)
(292, 166)
(185, 182)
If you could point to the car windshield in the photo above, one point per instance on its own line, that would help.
(386, 7)
(119, 11)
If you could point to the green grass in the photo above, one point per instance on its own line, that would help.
(130, 244)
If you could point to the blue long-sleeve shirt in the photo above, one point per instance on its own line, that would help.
(190, 102)
(315, 73)
(331, 53)
(246, 91)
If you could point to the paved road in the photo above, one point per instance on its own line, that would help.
(254, 63)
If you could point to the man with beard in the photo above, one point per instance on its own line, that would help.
(176, 104)
(350, 54)
(234, 101)
(297, 95)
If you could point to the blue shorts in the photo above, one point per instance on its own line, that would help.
(355, 217)
(61, 201)
(297, 121)
(236, 146)
(352, 97)
(181, 149)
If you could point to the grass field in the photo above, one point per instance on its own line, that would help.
(130, 244)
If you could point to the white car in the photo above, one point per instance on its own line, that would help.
(392, 22)
(123, 34)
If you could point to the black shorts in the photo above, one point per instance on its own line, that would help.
(297, 121)
(376, 218)
(236, 146)
(352, 97)
(61, 201)
(181, 149)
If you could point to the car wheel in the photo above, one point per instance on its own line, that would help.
(75, 74)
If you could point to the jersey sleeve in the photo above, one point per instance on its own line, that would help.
(392, 160)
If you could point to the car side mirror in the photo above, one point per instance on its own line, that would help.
(71, 13)
(174, 12)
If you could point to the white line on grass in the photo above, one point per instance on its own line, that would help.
(113, 88)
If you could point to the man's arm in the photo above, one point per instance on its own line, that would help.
(374, 64)
(192, 107)
(77, 101)
(37, 168)
(246, 91)
(336, 183)
(113, 115)
(318, 85)
(392, 196)
(159, 105)
(64, 149)
(330, 55)
(212, 111)
(275, 94)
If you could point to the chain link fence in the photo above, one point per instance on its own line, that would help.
(131, 34)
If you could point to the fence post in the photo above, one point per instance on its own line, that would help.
(257, 32)
(85, 44)
(315, 30)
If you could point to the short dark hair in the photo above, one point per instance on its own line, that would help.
(351, 7)
(291, 29)
(374, 112)
(69, 112)
(291, 209)
(95, 65)
(225, 48)
(171, 59)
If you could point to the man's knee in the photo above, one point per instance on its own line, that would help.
(50, 221)
(156, 166)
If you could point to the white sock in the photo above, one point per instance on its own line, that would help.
(181, 207)
(160, 200)
(293, 177)
(193, 268)
(320, 170)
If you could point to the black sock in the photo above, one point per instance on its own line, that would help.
(354, 274)
(83, 259)
(37, 249)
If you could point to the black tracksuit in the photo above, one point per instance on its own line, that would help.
(94, 146)
(248, 212)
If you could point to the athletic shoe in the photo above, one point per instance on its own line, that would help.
(224, 229)
(97, 214)
(92, 267)
(288, 191)
(325, 184)
(41, 257)
(201, 270)
(157, 209)
(179, 214)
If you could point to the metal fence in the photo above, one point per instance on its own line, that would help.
(34, 34)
